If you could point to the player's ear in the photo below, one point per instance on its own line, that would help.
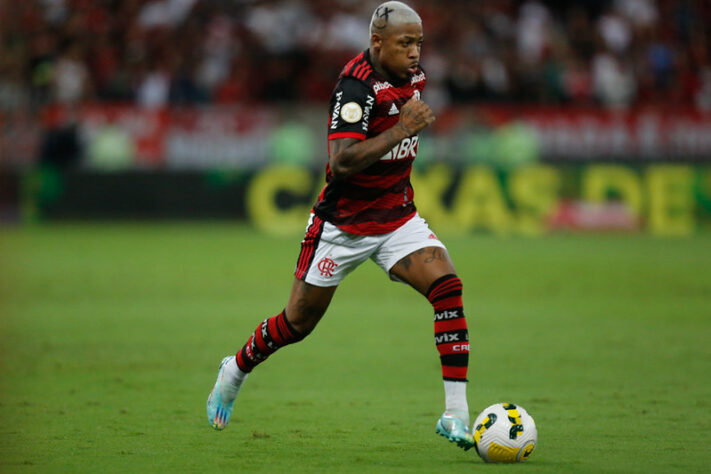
(376, 41)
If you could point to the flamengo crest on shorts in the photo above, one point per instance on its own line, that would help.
(326, 266)
(378, 199)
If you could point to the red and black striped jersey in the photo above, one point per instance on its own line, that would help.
(378, 199)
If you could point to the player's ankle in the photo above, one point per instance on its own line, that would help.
(461, 413)
(233, 374)
(456, 399)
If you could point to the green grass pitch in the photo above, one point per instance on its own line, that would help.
(110, 337)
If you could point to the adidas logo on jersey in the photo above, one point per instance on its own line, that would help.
(393, 110)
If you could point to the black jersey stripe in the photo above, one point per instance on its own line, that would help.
(375, 215)
(386, 201)
(388, 167)
(369, 193)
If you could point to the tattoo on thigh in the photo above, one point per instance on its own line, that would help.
(406, 262)
(433, 254)
(436, 254)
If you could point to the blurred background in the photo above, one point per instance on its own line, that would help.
(552, 115)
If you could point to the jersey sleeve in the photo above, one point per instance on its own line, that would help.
(351, 105)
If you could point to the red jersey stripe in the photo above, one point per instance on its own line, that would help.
(359, 136)
(386, 121)
(357, 71)
(387, 201)
(352, 63)
(448, 303)
(447, 287)
(383, 182)
(388, 167)
(365, 193)
(364, 73)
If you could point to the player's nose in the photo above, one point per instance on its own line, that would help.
(414, 53)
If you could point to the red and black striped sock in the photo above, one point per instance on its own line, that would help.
(270, 335)
(450, 327)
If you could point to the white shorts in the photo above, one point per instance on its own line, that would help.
(328, 254)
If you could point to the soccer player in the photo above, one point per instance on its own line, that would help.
(366, 210)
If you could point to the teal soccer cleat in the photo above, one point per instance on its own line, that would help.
(455, 430)
(222, 399)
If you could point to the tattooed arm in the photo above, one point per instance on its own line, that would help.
(348, 155)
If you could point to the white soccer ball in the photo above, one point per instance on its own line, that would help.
(505, 432)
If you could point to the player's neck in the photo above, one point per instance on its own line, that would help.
(380, 70)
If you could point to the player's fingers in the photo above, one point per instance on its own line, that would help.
(426, 110)
(411, 103)
(422, 108)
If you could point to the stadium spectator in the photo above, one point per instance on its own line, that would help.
(70, 78)
(613, 52)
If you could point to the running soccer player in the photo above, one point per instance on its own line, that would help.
(366, 210)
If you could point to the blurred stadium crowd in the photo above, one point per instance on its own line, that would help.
(174, 52)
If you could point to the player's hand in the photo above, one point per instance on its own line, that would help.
(415, 115)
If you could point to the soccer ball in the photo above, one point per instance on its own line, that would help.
(505, 432)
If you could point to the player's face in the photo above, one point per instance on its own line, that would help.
(399, 51)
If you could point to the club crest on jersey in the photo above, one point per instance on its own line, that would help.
(404, 150)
